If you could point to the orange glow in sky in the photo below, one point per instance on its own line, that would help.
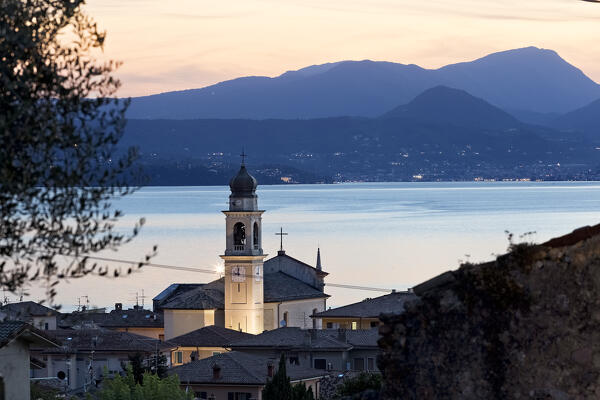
(174, 45)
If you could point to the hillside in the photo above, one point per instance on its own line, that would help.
(443, 134)
(529, 79)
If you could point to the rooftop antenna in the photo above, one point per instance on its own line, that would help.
(142, 297)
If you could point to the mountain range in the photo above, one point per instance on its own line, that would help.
(443, 133)
(519, 113)
(527, 80)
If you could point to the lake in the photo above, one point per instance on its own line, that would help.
(383, 235)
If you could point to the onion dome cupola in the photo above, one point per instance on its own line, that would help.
(243, 191)
(243, 184)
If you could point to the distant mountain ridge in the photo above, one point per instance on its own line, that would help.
(443, 133)
(530, 79)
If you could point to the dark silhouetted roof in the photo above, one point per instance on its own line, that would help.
(209, 336)
(238, 369)
(105, 340)
(10, 330)
(392, 303)
(27, 309)
(243, 184)
(278, 287)
(321, 339)
(138, 318)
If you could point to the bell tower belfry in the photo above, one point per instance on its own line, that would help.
(243, 256)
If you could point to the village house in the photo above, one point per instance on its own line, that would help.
(135, 320)
(364, 314)
(239, 376)
(254, 295)
(203, 343)
(16, 338)
(86, 353)
(37, 315)
(331, 350)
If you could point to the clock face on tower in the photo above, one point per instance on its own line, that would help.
(238, 274)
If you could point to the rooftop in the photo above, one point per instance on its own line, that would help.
(10, 330)
(139, 318)
(278, 287)
(27, 309)
(392, 303)
(323, 339)
(209, 336)
(237, 368)
(105, 340)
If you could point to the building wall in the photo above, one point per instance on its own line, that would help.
(41, 321)
(203, 352)
(154, 333)
(179, 322)
(14, 370)
(299, 312)
(347, 323)
(222, 392)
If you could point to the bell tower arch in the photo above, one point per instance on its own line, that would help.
(244, 299)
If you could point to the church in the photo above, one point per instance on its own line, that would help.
(254, 294)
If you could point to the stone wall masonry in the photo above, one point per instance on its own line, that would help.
(525, 326)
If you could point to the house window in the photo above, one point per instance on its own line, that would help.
(178, 359)
(371, 364)
(359, 364)
(45, 326)
(201, 395)
(161, 337)
(216, 353)
(238, 396)
(285, 318)
(374, 324)
(314, 319)
(330, 325)
(354, 325)
(320, 363)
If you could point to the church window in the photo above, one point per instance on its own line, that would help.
(285, 319)
(255, 236)
(239, 236)
(314, 319)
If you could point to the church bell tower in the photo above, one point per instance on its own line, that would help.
(244, 256)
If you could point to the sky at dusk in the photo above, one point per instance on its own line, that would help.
(175, 45)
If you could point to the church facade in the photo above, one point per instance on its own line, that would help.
(254, 294)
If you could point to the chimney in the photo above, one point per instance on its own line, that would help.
(270, 370)
(216, 372)
(342, 335)
(118, 306)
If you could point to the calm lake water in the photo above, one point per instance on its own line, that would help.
(387, 235)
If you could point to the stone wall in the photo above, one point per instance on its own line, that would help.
(526, 326)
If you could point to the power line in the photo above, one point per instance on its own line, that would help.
(213, 272)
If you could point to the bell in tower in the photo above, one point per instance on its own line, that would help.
(243, 256)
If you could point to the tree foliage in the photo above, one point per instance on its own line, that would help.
(365, 381)
(280, 388)
(126, 388)
(60, 122)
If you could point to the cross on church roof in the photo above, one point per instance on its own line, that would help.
(243, 155)
(281, 233)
